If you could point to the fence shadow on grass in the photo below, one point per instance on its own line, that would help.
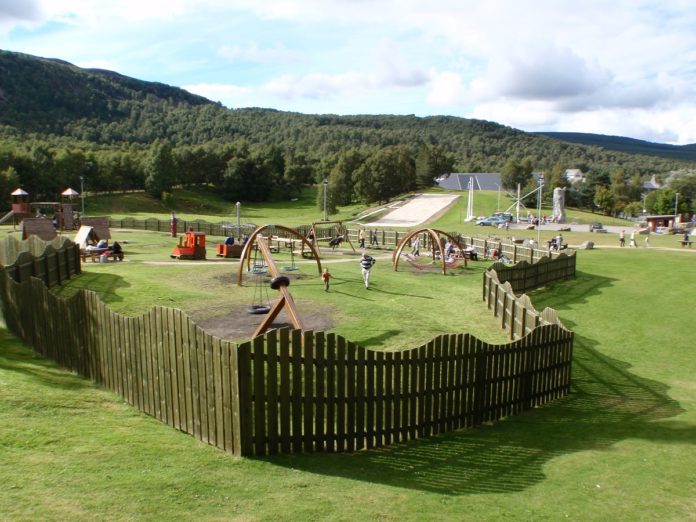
(16, 357)
(608, 404)
(104, 285)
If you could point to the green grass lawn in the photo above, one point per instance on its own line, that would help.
(619, 447)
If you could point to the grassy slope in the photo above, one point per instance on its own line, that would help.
(619, 448)
(198, 203)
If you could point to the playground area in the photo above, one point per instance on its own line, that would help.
(629, 404)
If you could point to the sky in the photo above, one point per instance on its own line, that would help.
(619, 67)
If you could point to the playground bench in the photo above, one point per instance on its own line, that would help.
(685, 243)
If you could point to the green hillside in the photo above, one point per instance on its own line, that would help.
(53, 100)
(628, 145)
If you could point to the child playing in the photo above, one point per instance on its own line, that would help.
(326, 276)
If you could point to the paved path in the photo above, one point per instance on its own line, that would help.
(417, 210)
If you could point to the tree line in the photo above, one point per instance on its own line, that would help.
(613, 192)
(237, 171)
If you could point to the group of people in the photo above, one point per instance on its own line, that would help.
(374, 241)
(632, 239)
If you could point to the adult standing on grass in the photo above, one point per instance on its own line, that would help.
(632, 243)
(173, 223)
(361, 238)
(415, 246)
(366, 263)
(622, 238)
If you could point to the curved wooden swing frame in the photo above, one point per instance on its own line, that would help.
(434, 246)
(245, 256)
(279, 282)
(340, 228)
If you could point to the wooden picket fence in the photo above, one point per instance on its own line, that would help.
(524, 276)
(51, 261)
(288, 391)
(517, 314)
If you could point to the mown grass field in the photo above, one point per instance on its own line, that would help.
(620, 447)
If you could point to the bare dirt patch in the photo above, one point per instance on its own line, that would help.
(239, 325)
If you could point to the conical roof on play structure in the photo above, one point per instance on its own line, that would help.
(70, 192)
(19, 192)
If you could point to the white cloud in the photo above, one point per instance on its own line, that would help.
(228, 95)
(13, 11)
(395, 70)
(628, 63)
(252, 52)
(319, 86)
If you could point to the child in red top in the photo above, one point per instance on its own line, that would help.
(326, 276)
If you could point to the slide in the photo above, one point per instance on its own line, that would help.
(6, 216)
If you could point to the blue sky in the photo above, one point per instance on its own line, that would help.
(626, 67)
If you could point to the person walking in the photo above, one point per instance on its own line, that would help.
(632, 243)
(326, 277)
(366, 264)
(415, 246)
(374, 242)
(622, 238)
(361, 238)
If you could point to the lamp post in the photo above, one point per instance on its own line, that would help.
(82, 193)
(541, 187)
(642, 197)
(676, 204)
(326, 188)
(239, 235)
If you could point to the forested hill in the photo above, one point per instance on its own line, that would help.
(55, 102)
(629, 145)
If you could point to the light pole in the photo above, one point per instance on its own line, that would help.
(239, 235)
(82, 193)
(676, 204)
(326, 188)
(642, 197)
(541, 187)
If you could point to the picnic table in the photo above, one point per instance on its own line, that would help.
(685, 242)
(95, 253)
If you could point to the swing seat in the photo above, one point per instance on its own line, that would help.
(279, 281)
(258, 309)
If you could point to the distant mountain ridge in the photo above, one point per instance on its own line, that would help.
(51, 100)
(629, 145)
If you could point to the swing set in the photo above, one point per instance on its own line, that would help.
(435, 248)
(318, 228)
(258, 243)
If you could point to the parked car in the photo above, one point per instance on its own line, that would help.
(506, 216)
(491, 221)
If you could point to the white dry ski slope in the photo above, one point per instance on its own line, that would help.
(416, 211)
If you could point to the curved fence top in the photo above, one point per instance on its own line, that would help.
(11, 247)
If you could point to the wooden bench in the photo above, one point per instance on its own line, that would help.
(685, 242)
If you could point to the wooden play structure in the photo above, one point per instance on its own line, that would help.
(258, 243)
(58, 213)
(317, 233)
(40, 227)
(435, 247)
(191, 246)
(100, 225)
(20, 207)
